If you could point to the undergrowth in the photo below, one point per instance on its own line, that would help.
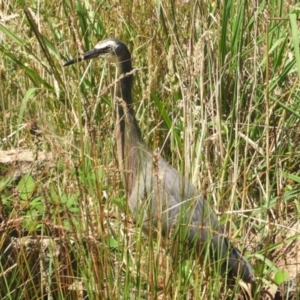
(216, 91)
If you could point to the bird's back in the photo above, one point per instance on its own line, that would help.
(165, 197)
(163, 200)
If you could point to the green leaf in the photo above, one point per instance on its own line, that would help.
(161, 107)
(113, 243)
(295, 39)
(290, 110)
(120, 202)
(281, 276)
(37, 205)
(26, 187)
(4, 183)
(266, 262)
(12, 36)
(291, 176)
(29, 94)
(72, 200)
(34, 77)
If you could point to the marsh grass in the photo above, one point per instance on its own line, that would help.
(216, 92)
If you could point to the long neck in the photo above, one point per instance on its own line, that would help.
(125, 84)
(124, 92)
(127, 132)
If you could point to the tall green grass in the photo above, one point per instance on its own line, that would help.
(216, 91)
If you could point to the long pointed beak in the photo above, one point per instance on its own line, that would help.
(87, 55)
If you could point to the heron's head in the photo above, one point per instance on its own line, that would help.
(111, 49)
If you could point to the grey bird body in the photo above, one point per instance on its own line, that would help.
(159, 197)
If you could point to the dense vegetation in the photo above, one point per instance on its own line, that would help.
(216, 90)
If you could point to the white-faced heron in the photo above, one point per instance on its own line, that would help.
(156, 193)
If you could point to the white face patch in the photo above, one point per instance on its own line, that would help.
(108, 43)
